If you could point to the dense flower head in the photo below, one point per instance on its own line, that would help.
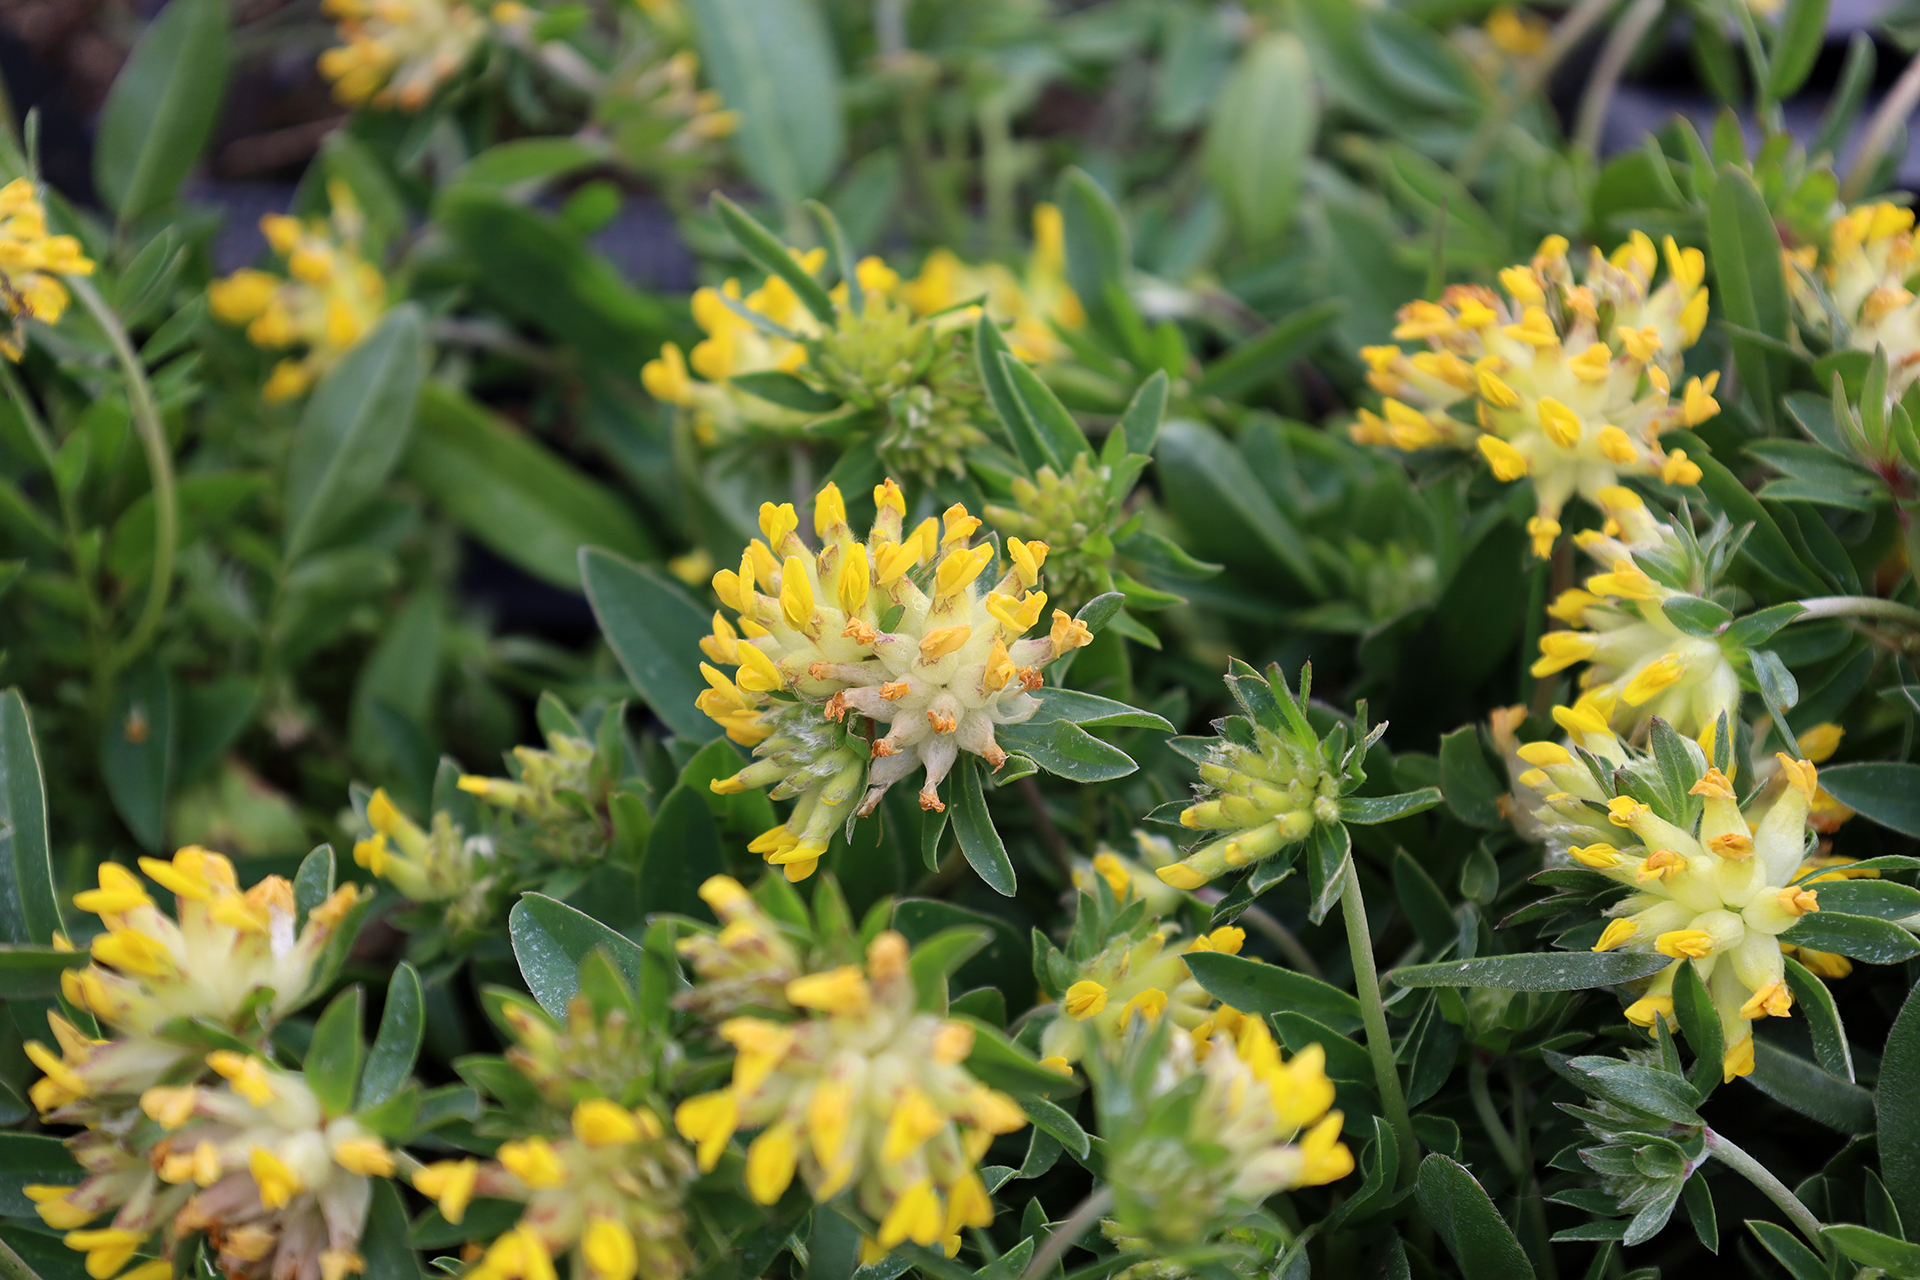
(1639, 664)
(330, 298)
(398, 52)
(1189, 1159)
(900, 629)
(1858, 296)
(557, 791)
(1712, 884)
(606, 1193)
(853, 1088)
(1142, 978)
(231, 958)
(660, 114)
(279, 1187)
(1135, 874)
(748, 964)
(31, 263)
(440, 863)
(1567, 382)
(1035, 306)
(1267, 780)
(1074, 513)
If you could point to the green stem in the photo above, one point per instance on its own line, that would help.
(1760, 1176)
(1068, 1233)
(12, 1267)
(1489, 1114)
(1857, 607)
(153, 438)
(1373, 1015)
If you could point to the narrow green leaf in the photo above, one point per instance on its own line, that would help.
(1897, 1102)
(1139, 426)
(1700, 1023)
(333, 1061)
(29, 908)
(974, 826)
(1792, 1081)
(1873, 1249)
(772, 257)
(654, 630)
(137, 747)
(1882, 791)
(1249, 985)
(162, 107)
(773, 62)
(1064, 748)
(1536, 971)
(682, 852)
(1801, 1262)
(396, 1045)
(1264, 120)
(550, 939)
(1056, 1123)
(1370, 811)
(1466, 1221)
(1043, 408)
(1269, 355)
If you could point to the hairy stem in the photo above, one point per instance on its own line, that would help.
(1760, 1176)
(1373, 1015)
(1077, 1224)
(153, 438)
(1857, 607)
(1892, 113)
(1489, 1115)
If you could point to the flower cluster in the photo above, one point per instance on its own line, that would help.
(899, 629)
(1188, 1162)
(1135, 976)
(1859, 297)
(1569, 383)
(438, 864)
(1036, 306)
(855, 1089)
(236, 1148)
(1711, 884)
(1076, 513)
(1641, 664)
(31, 262)
(658, 111)
(398, 52)
(330, 298)
(1267, 780)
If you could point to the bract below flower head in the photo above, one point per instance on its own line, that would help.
(1640, 664)
(1188, 1162)
(330, 298)
(1268, 779)
(32, 262)
(900, 629)
(231, 958)
(1711, 885)
(1567, 382)
(853, 1088)
(279, 1187)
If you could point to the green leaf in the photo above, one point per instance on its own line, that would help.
(1056, 1123)
(1766, 548)
(536, 272)
(1816, 1004)
(1536, 971)
(512, 494)
(1064, 438)
(1264, 120)
(1329, 845)
(354, 430)
(655, 632)
(1253, 987)
(1792, 1081)
(1795, 45)
(1802, 1262)
(1064, 748)
(1886, 792)
(1092, 709)
(1648, 1090)
(1744, 251)
(162, 108)
(771, 256)
(993, 355)
(1426, 908)
(33, 973)
(1700, 1023)
(388, 1253)
(1370, 811)
(1896, 1098)
(1268, 355)
(1466, 1221)
(683, 851)
(508, 164)
(137, 748)
(1881, 899)
(1778, 689)
(773, 62)
(550, 939)
(1870, 1248)
(777, 387)
(312, 883)
(935, 959)
(1695, 616)
(1209, 475)
(27, 1159)
(1099, 261)
(396, 1045)
(974, 826)
(334, 1058)
(1004, 1065)
(1139, 426)
(1862, 937)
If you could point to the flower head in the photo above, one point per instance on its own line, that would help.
(1035, 306)
(32, 262)
(853, 1088)
(330, 298)
(230, 958)
(1709, 883)
(1639, 663)
(1267, 780)
(748, 964)
(1569, 383)
(397, 52)
(902, 630)
(1186, 1163)
(1855, 292)
(279, 1187)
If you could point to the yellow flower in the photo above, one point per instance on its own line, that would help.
(1536, 385)
(397, 52)
(1856, 294)
(32, 262)
(1035, 307)
(330, 298)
